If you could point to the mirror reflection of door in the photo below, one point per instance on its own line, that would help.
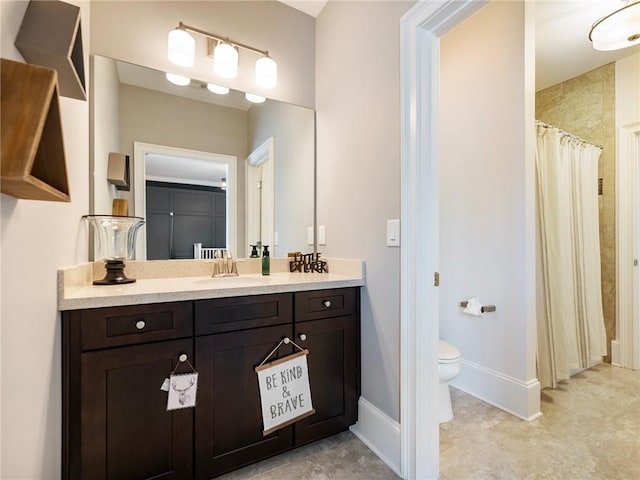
(187, 198)
(180, 215)
(260, 214)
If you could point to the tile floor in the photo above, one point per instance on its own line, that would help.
(590, 430)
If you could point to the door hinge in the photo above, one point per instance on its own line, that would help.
(436, 279)
(635, 262)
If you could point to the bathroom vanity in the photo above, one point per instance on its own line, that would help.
(115, 358)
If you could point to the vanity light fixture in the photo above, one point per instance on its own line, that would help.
(266, 72)
(254, 98)
(224, 52)
(182, 48)
(219, 89)
(620, 29)
(225, 60)
(179, 80)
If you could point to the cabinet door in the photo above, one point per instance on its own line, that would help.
(333, 376)
(228, 426)
(126, 430)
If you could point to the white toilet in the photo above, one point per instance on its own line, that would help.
(448, 369)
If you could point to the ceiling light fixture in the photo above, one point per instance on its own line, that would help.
(224, 52)
(220, 90)
(619, 29)
(179, 80)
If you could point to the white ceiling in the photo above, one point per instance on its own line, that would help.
(563, 49)
(310, 7)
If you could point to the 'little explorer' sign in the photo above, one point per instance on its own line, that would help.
(284, 391)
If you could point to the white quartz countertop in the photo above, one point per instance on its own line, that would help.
(74, 295)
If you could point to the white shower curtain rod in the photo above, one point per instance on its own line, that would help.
(546, 125)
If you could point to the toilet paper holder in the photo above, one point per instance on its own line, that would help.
(484, 309)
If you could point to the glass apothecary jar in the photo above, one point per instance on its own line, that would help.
(114, 242)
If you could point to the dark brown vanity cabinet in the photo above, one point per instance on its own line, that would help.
(115, 420)
(327, 324)
(233, 335)
(115, 423)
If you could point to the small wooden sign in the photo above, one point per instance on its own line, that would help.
(284, 391)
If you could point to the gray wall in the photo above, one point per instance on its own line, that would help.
(358, 105)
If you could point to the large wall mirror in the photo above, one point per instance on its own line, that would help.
(206, 168)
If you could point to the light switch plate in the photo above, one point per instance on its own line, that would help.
(322, 235)
(309, 235)
(393, 233)
(275, 238)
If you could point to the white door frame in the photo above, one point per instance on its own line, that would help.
(420, 32)
(140, 150)
(263, 156)
(628, 245)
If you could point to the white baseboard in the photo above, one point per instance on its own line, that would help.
(512, 395)
(379, 432)
(615, 352)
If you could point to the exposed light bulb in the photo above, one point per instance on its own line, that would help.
(181, 48)
(225, 60)
(220, 90)
(254, 98)
(266, 72)
(179, 80)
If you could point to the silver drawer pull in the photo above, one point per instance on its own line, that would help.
(327, 303)
(303, 337)
(140, 324)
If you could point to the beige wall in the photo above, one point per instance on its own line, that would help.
(585, 106)
(38, 238)
(627, 90)
(292, 128)
(104, 122)
(358, 105)
(136, 32)
(153, 117)
(487, 200)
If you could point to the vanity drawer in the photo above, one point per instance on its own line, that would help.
(117, 326)
(325, 303)
(241, 313)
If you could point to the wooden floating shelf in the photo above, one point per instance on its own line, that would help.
(50, 36)
(32, 151)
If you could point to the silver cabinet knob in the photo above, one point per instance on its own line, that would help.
(327, 303)
(183, 357)
(140, 324)
(303, 337)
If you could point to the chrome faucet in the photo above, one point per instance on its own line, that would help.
(224, 265)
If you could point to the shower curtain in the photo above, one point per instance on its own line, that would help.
(571, 331)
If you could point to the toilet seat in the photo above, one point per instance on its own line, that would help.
(447, 353)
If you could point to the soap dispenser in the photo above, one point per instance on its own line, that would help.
(265, 260)
(254, 251)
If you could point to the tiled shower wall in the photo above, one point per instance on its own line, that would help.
(585, 106)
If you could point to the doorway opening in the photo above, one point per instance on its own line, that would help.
(176, 168)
